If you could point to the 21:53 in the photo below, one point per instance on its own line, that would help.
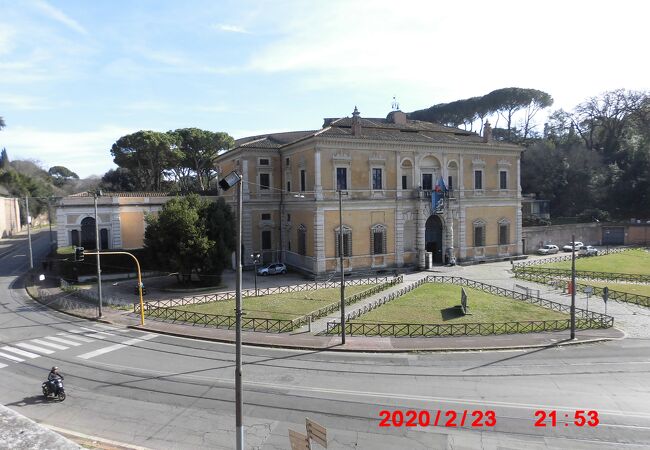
(580, 418)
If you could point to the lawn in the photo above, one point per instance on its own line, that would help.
(635, 261)
(639, 289)
(436, 303)
(279, 306)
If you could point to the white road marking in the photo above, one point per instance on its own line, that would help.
(10, 357)
(35, 348)
(101, 326)
(96, 334)
(20, 352)
(111, 348)
(49, 344)
(2, 365)
(63, 341)
(75, 337)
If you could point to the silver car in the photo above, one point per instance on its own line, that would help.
(272, 269)
(548, 249)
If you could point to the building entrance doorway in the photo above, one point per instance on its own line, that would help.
(433, 238)
(88, 240)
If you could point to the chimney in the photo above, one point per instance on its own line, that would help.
(397, 117)
(356, 122)
(487, 132)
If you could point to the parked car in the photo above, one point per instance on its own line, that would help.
(272, 269)
(548, 249)
(569, 247)
(588, 250)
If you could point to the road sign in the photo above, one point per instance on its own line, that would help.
(589, 290)
(605, 294)
(463, 301)
(298, 441)
(316, 432)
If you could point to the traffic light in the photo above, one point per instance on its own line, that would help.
(79, 254)
(136, 291)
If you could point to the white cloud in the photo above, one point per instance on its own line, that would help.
(58, 15)
(230, 28)
(24, 102)
(84, 152)
(7, 34)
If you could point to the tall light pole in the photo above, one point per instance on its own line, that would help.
(230, 180)
(49, 219)
(98, 193)
(573, 286)
(341, 264)
(29, 233)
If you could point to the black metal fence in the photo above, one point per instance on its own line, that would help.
(325, 310)
(584, 274)
(584, 318)
(560, 283)
(230, 295)
(217, 320)
(160, 310)
(459, 329)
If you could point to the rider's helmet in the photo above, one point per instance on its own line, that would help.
(54, 369)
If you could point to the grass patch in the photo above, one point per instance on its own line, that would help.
(63, 251)
(639, 289)
(278, 306)
(436, 303)
(635, 261)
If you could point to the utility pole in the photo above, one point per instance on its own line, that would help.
(573, 286)
(98, 193)
(29, 233)
(341, 264)
(238, 313)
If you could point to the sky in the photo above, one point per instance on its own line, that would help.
(75, 76)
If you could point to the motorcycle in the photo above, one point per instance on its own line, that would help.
(59, 391)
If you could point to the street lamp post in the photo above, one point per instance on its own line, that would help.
(573, 287)
(230, 180)
(341, 264)
(98, 193)
(29, 233)
(256, 260)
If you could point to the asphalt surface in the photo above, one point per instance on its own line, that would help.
(156, 391)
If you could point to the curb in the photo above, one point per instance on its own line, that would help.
(337, 348)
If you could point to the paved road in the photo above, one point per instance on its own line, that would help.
(165, 392)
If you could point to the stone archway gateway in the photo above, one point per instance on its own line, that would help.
(433, 238)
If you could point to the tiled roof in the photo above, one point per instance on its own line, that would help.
(272, 140)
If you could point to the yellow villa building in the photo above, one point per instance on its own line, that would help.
(412, 193)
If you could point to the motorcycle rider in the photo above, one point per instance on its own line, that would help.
(52, 377)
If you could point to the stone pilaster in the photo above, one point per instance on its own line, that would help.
(319, 241)
(420, 235)
(247, 234)
(318, 187)
(399, 236)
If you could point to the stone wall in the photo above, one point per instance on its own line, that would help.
(535, 237)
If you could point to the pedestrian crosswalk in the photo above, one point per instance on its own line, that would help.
(18, 352)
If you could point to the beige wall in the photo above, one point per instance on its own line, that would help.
(132, 224)
(9, 216)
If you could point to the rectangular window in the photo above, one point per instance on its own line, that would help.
(450, 182)
(478, 179)
(266, 216)
(264, 162)
(503, 234)
(287, 162)
(288, 186)
(378, 243)
(503, 179)
(347, 244)
(265, 181)
(288, 217)
(266, 240)
(479, 236)
(302, 241)
(404, 182)
(341, 178)
(303, 181)
(377, 178)
(427, 181)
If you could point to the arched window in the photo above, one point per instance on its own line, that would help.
(88, 238)
(378, 239)
(302, 240)
(347, 241)
(479, 233)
